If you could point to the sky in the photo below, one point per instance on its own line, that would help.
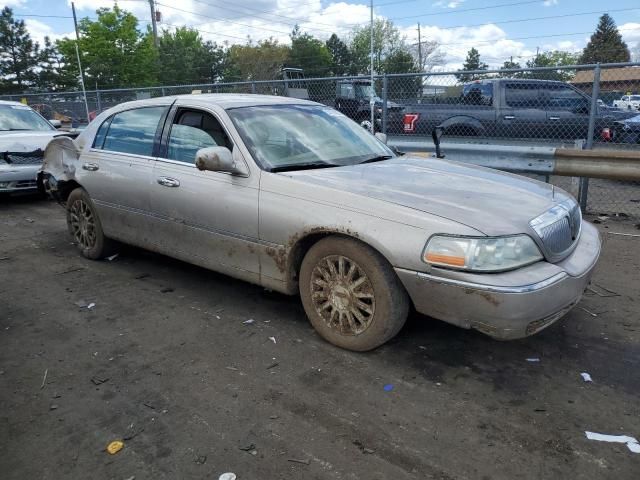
(498, 29)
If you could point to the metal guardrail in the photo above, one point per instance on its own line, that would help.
(607, 164)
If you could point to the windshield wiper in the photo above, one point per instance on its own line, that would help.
(302, 166)
(377, 158)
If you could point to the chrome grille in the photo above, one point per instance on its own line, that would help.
(28, 158)
(557, 236)
(558, 228)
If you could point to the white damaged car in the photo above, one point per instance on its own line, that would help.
(24, 134)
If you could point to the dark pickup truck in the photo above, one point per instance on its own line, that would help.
(513, 108)
(353, 98)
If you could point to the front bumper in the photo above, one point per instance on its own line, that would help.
(507, 305)
(18, 178)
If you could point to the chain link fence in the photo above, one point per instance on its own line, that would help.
(583, 106)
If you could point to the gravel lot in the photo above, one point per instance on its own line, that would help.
(164, 361)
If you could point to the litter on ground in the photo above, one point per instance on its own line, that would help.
(631, 442)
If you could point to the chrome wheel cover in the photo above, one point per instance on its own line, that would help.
(342, 295)
(83, 226)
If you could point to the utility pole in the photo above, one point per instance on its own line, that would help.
(84, 92)
(419, 49)
(371, 100)
(154, 26)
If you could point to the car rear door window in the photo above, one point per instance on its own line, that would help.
(193, 130)
(101, 134)
(522, 95)
(134, 131)
(477, 94)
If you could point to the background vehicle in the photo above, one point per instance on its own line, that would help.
(513, 108)
(24, 134)
(353, 99)
(628, 102)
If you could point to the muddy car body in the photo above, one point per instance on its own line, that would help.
(294, 196)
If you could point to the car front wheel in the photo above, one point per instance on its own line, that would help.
(85, 227)
(351, 294)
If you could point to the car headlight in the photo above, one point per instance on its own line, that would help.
(484, 254)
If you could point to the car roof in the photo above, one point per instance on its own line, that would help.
(223, 100)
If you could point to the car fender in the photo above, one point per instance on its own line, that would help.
(464, 121)
(59, 167)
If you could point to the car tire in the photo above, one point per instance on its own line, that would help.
(351, 294)
(85, 227)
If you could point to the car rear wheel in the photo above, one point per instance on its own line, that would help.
(351, 295)
(85, 227)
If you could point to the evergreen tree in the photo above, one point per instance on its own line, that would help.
(19, 55)
(471, 63)
(341, 62)
(606, 44)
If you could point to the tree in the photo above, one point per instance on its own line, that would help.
(114, 52)
(430, 53)
(310, 54)
(184, 58)
(606, 44)
(52, 73)
(555, 58)
(386, 41)
(341, 61)
(19, 55)
(256, 62)
(472, 63)
(402, 61)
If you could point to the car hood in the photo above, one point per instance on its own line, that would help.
(631, 122)
(492, 202)
(25, 141)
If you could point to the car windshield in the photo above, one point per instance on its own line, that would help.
(364, 90)
(292, 137)
(22, 117)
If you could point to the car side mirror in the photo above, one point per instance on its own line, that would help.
(219, 159)
(582, 108)
(382, 137)
(55, 123)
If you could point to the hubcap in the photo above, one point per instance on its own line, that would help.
(342, 294)
(82, 224)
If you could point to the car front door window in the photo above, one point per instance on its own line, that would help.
(193, 130)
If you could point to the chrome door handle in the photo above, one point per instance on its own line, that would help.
(509, 117)
(554, 118)
(92, 167)
(168, 182)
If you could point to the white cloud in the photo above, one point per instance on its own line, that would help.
(38, 30)
(630, 32)
(448, 4)
(13, 3)
(550, 3)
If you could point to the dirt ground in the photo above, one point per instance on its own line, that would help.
(165, 361)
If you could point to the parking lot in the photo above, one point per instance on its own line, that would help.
(167, 360)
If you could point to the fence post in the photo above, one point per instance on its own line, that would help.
(583, 190)
(253, 87)
(385, 88)
(98, 103)
(162, 91)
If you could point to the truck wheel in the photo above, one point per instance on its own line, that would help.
(85, 227)
(366, 124)
(351, 295)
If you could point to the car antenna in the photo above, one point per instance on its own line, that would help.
(436, 133)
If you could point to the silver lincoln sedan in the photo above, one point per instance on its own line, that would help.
(294, 196)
